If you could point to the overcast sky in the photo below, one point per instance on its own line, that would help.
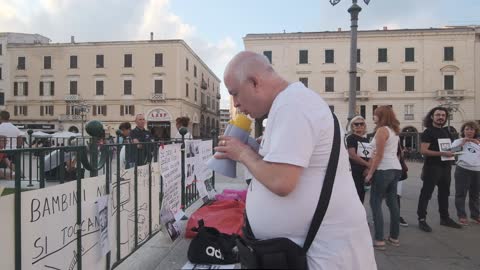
(214, 28)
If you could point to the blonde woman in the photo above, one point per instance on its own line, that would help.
(384, 172)
(359, 153)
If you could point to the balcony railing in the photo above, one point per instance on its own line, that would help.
(69, 117)
(155, 97)
(360, 94)
(72, 98)
(409, 116)
(453, 94)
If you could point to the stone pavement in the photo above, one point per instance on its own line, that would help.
(443, 249)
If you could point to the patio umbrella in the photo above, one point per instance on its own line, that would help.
(52, 160)
(40, 134)
(65, 134)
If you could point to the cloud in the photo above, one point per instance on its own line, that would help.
(108, 20)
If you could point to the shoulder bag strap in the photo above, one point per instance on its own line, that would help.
(327, 187)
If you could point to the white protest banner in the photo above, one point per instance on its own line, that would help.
(7, 232)
(49, 227)
(170, 160)
(205, 149)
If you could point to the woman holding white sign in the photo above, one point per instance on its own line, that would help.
(467, 172)
(359, 153)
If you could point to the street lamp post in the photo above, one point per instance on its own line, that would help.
(354, 10)
(83, 109)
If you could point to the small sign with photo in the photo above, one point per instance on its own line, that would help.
(167, 219)
(445, 145)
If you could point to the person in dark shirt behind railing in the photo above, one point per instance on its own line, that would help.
(139, 134)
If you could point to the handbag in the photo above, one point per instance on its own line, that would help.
(281, 252)
(210, 246)
(402, 163)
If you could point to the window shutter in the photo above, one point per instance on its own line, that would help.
(41, 88)
(15, 89)
(25, 110)
(121, 110)
(67, 111)
(132, 112)
(15, 110)
(41, 110)
(94, 111)
(25, 88)
(52, 89)
(104, 110)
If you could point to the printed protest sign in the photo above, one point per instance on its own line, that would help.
(170, 161)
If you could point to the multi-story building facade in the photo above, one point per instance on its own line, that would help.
(412, 70)
(62, 85)
(224, 118)
(5, 39)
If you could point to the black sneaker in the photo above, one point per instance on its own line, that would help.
(422, 224)
(448, 222)
(403, 222)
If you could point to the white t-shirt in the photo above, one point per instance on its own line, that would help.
(300, 132)
(188, 136)
(470, 159)
(11, 132)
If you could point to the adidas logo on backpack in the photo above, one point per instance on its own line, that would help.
(212, 252)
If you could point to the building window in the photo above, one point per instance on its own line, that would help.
(382, 55)
(46, 110)
(1, 49)
(359, 59)
(195, 71)
(159, 59)
(99, 61)
(208, 101)
(363, 111)
(382, 83)
(99, 110)
(2, 99)
(448, 82)
(186, 90)
(158, 87)
(0, 73)
(409, 54)
(304, 81)
(47, 89)
(303, 57)
(358, 84)
(268, 54)
(127, 87)
(127, 109)
(73, 61)
(409, 83)
(21, 63)
(20, 88)
(329, 56)
(195, 94)
(329, 84)
(20, 110)
(408, 114)
(448, 54)
(127, 60)
(73, 87)
(99, 88)
(202, 98)
(47, 62)
(186, 64)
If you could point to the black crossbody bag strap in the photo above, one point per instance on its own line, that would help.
(327, 187)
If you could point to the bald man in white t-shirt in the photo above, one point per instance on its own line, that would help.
(289, 169)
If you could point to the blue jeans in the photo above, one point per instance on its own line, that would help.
(384, 185)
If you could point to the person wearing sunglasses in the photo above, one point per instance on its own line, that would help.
(359, 153)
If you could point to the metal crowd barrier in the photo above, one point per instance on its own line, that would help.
(85, 157)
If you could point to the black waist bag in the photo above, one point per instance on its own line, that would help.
(283, 253)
